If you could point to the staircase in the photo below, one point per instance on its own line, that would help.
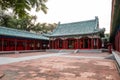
(68, 51)
(90, 51)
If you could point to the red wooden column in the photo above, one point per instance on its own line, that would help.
(115, 42)
(88, 43)
(51, 44)
(26, 44)
(80, 43)
(66, 44)
(2, 44)
(34, 45)
(92, 43)
(83, 43)
(58, 44)
(77, 43)
(63, 44)
(54, 44)
(15, 44)
(53, 47)
(97, 43)
(119, 41)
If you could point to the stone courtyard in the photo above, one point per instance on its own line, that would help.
(80, 66)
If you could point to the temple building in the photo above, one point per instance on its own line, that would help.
(115, 25)
(13, 39)
(77, 35)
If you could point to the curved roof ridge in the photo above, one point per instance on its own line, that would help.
(79, 22)
(77, 28)
(20, 33)
(16, 30)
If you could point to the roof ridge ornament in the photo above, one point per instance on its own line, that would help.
(97, 22)
(59, 23)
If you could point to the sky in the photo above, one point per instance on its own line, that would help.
(67, 11)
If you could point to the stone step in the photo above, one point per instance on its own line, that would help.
(52, 50)
(66, 51)
(89, 51)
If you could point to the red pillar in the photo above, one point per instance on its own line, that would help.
(2, 44)
(66, 43)
(34, 44)
(97, 43)
(63, 44)
(49, 44)
(58, 44)
(88, 43)
(83, 43)
(53, 44)
(77, 44)
(25, 44)
(80, 42)
(92, 43)
(119, 41)
(15, 44)
(115, 42)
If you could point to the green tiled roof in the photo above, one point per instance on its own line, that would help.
(77, 28)
(20, 33)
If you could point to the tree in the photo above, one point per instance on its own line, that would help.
(20, 7)
(7, 20)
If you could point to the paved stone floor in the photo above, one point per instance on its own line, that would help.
(61, 68)
(103, 54)
(23, 54)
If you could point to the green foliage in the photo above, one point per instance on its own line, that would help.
(20, 7)
(27, 23)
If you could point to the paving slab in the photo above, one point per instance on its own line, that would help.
(61, 68)
(18, 55)
(7, 60)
